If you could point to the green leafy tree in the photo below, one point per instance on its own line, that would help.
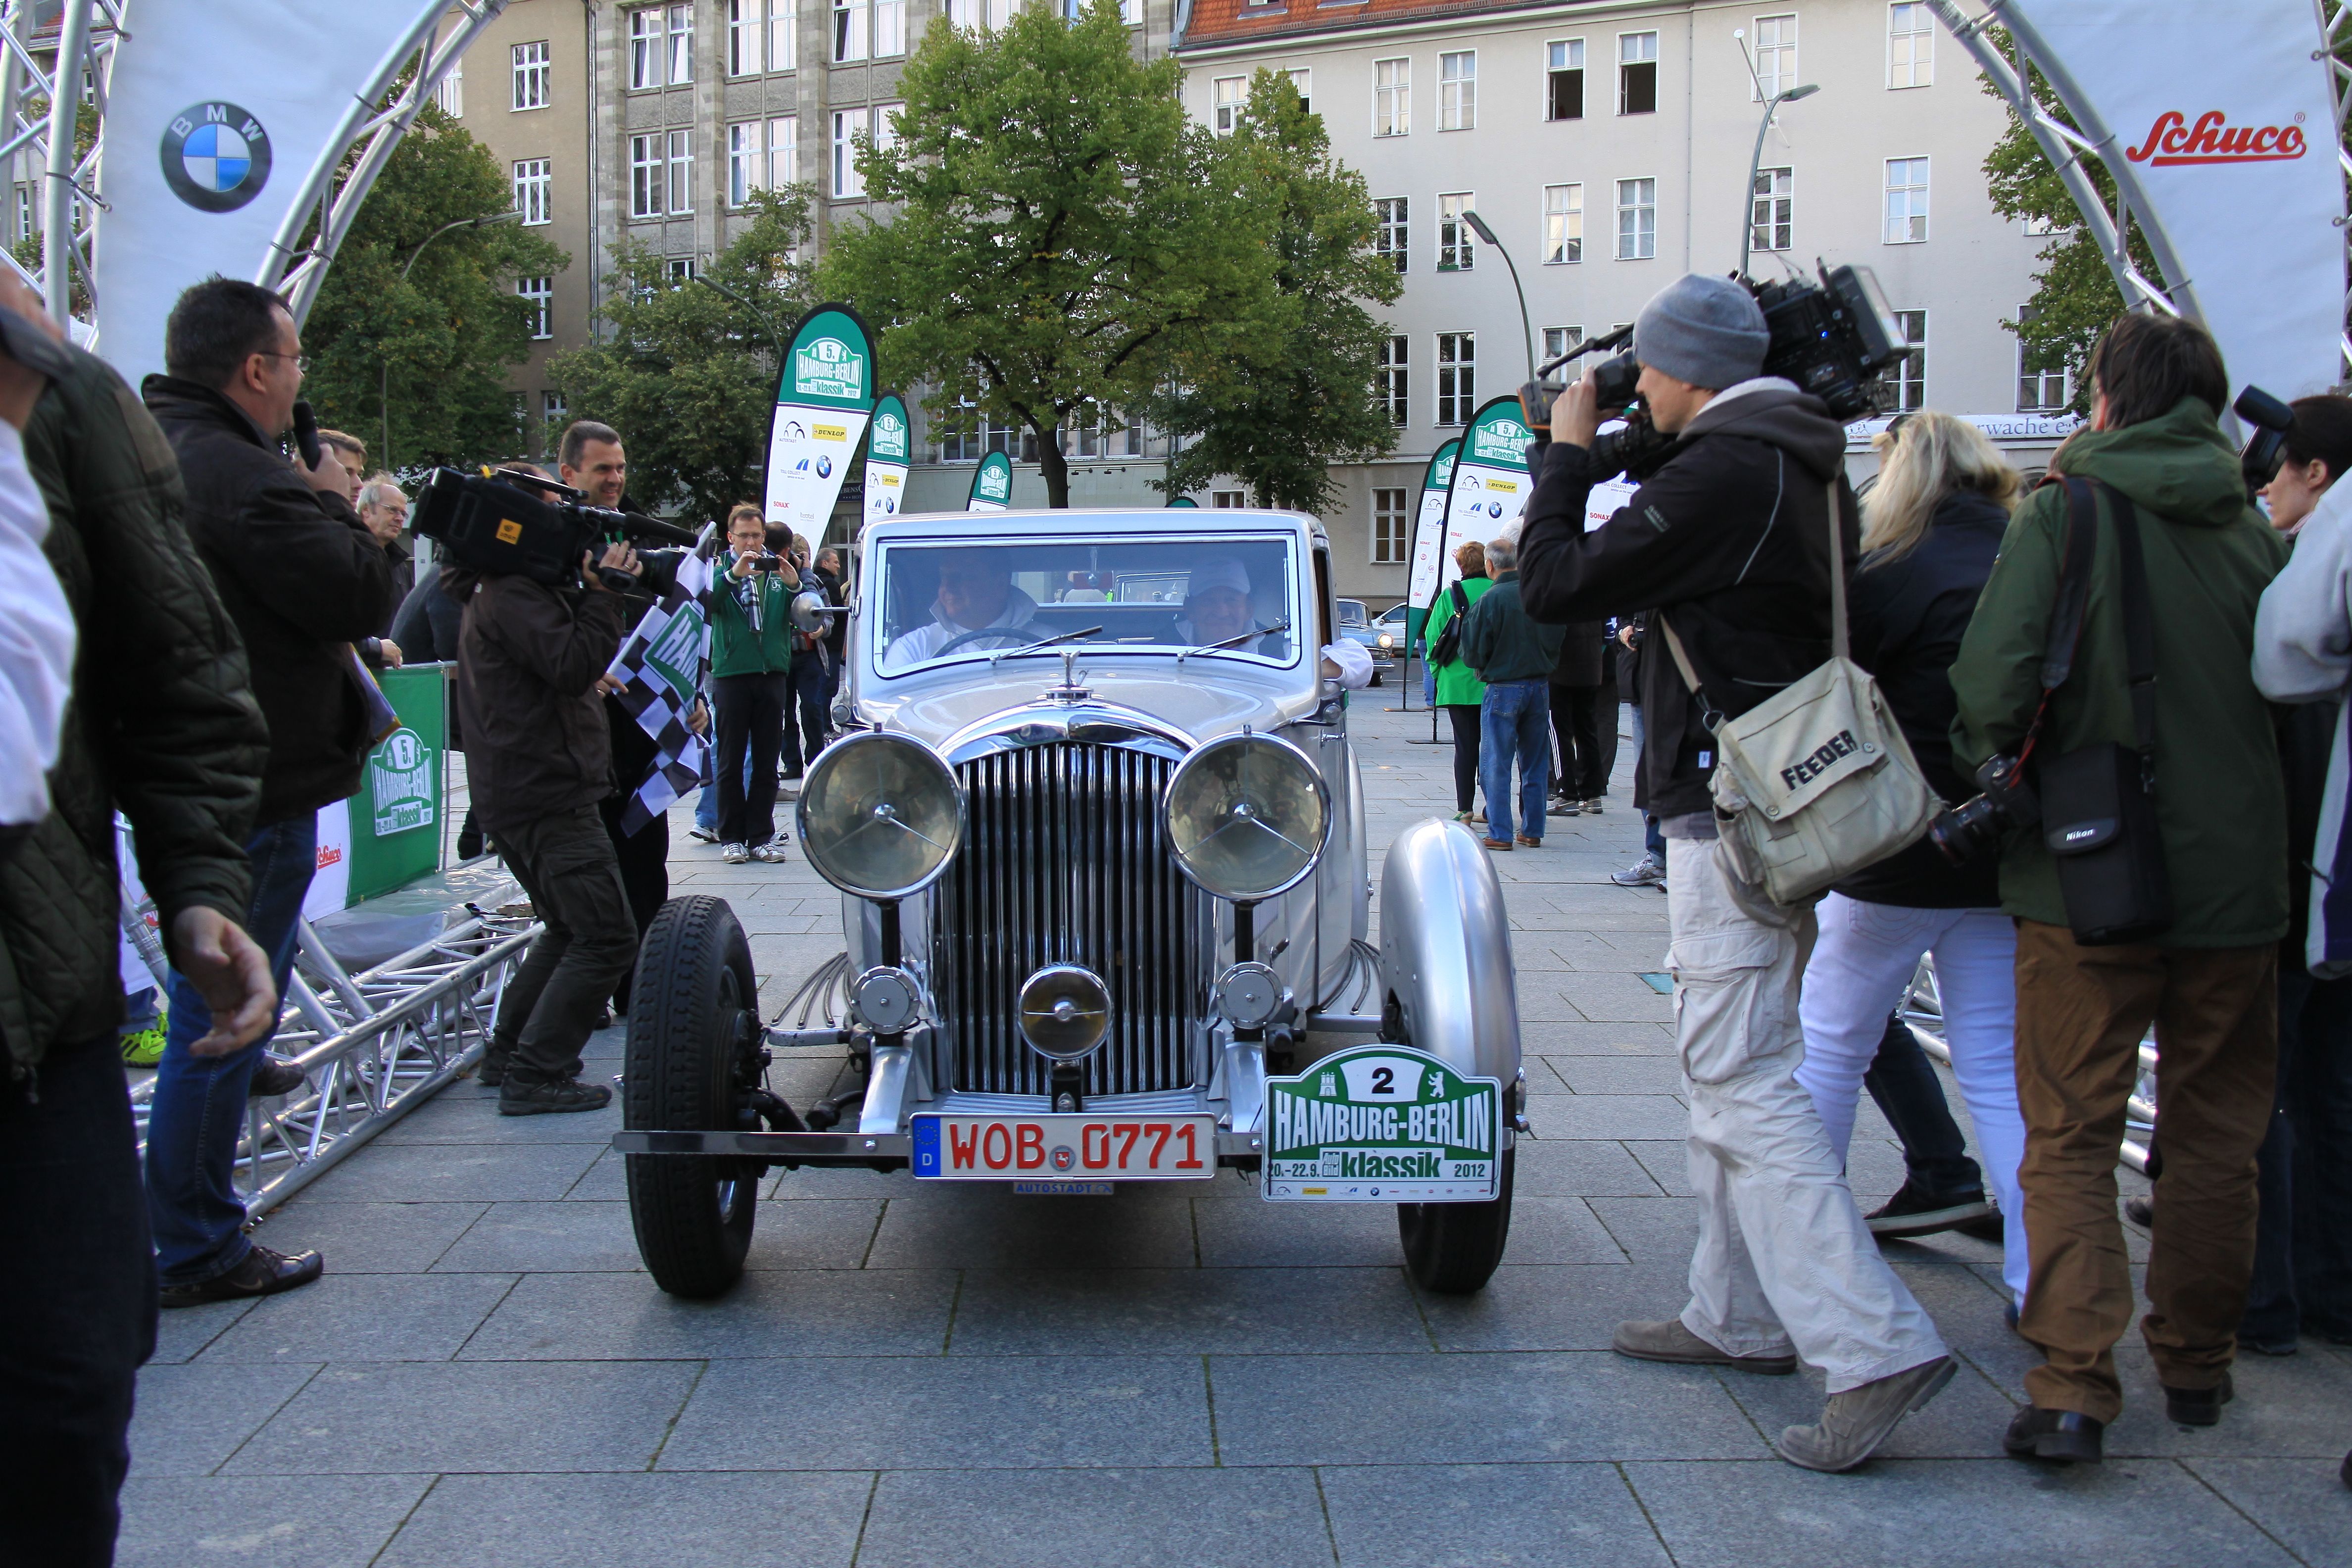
(1058, 239)
(438, 337)
(687, 372)
(1279, 421)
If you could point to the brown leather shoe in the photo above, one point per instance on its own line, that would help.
(1527, 842)
(1502, 846)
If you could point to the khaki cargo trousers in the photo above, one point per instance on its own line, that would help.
(2081, 1012)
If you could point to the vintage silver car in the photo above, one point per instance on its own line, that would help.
(1098, 829)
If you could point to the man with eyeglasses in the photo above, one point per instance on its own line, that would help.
(304, 580)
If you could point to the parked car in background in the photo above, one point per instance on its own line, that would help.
(1099, 830)
(1389, 629)
(1356, 625)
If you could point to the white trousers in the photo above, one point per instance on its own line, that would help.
(1862, 964)
(1784, 1260)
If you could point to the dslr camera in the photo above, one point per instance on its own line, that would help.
(1974, 828)
(494, 523)
(1834, 337)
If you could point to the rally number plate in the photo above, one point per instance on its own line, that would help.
(1101, 1147)
(1382, 1124)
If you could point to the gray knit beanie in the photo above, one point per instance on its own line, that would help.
(1703, 330)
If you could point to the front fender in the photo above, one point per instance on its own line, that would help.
(1446, 950)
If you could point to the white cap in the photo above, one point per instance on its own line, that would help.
(1217, 571)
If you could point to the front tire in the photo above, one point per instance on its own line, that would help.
(1453, 1248)
(694, 1032)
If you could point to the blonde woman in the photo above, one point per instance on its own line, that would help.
(1931, 528)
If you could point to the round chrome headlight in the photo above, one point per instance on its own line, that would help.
(880, 814)
(1247, 817)
(1065, 1011)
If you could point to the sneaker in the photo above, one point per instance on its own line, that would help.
(1642, 873)
(1912, 1211)
(734, 854)
(1561, 808)
(1853, 1423)
(1671, 1340)
(144, 1047)
(491, 1071)
(262, 1273)
(770, 853)
(1592, 808)
(1990, 1228)
(555, 1099)
(273, 1076)
(702, 835)
(1479, 817)
(1460, 816)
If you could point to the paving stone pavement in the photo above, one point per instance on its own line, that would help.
(485, 1377)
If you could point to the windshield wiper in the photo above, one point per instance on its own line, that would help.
(1232, 641)
(1043, 642)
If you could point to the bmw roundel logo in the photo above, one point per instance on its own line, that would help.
(215, 156)
(1494, 509)
(823, 468)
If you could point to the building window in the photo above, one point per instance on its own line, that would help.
(1772, 209)
(530, 75)
(989, 16)
(1564, 79)
(532, 180)
(1637, 73)
(1391, 98)
(1776, 55)
(680, 269)
(681, 44)
(1910, 46)
(1907, 377)
(1563, 224)
(1389, 238)
(1302, 79)
(1228, 94)
(1228, 501)
(1557, 341)
(1637, 220)
(1457, 377)
(681, 171)
(646, 197)
(1456, 246)
(848, 124)
(784, 149)
(538, 293)
(783, 34)
(1391, 521)
(1392, 386)
(744, 172)
(25, 216)
(2044, 384)
(886, 128)
(744, 27)
(848, 30)
(646, 48)
(1906, 201)
(449, 92)
(1457, 91)
(552, 409)
(889, 28)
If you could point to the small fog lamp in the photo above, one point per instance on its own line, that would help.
(1065, 1011)
(880, 814)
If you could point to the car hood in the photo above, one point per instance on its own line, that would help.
(1190, 704)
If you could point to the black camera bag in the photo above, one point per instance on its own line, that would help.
(2098, 802)
(1449, 641)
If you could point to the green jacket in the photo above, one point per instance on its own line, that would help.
(2220, 800)
(735, 648)
(1503, 642)
(1458, 685)
(162, 724)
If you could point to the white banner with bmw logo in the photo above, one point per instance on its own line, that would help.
(1489, 486)
(216, 116)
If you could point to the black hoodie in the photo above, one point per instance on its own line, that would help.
(1728, 544)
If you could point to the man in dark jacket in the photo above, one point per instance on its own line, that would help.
(304, 580)
(539, 759)
(1728, 548)
(162, 725)
(1514, 655)
(2209, 981)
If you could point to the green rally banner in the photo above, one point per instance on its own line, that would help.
(1428, 523)
(394, 821)
(992, 484)
(823, 403)
(1486, 491)
(890, 445)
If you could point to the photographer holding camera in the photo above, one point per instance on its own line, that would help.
(749, 600)
(539, 756)
(1727, 547)
(2161, 785)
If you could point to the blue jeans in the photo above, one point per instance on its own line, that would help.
(706, 805)
(1514, 722)
(199, 1105)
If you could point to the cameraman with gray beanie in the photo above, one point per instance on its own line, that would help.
(1727, 547)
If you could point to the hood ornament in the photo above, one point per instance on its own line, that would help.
(1069, 690)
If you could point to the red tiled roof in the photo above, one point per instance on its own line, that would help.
(1241, 21)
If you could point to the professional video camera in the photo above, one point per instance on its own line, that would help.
(492, 522)
(1833, 339)
(2266, 448)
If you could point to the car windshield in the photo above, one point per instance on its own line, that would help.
(943, 602)
(1351, 613)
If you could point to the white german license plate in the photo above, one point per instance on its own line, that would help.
(1099, 1147)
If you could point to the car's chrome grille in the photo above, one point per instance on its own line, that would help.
(1064, 862)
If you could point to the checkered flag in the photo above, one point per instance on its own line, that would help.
(661, 666)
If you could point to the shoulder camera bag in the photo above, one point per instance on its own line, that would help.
(1816, 782)
(1449, 641)
(2098, 802)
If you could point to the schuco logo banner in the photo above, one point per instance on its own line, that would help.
(2172, 141)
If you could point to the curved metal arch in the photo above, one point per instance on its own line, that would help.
(2336, 36)
(297, 271)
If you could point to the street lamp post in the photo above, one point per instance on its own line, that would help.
(1756, 159)
(766, 326)
(1526, 329)
(384, 383)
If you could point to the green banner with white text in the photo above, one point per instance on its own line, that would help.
(822, 402)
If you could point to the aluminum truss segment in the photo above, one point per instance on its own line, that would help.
(38, 120)
(2335, 41)
(382, 111)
